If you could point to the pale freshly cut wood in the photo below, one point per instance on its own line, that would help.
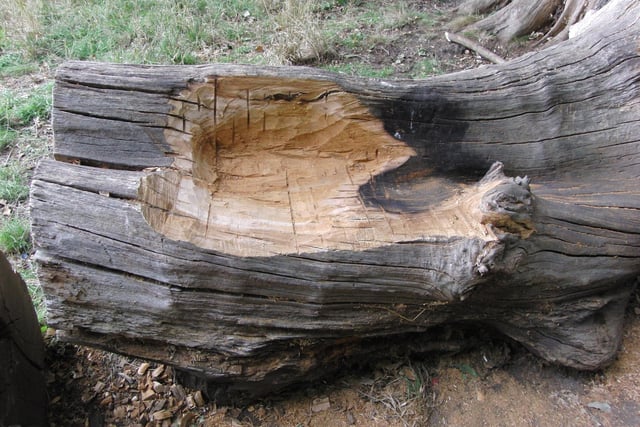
(257, 227)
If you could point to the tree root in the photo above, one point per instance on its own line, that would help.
(520, 17)
(573, 11)
(463, 41)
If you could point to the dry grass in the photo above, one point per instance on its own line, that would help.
(21, 23)
(299, 38)
(405, 391)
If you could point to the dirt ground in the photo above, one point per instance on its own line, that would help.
(497, 383)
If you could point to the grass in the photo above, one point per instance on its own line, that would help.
(7, 137)
(405, 391)
(298, 37)
(362, 70)
(20, 109)
(14, 235)
(425, 67)
(14, 184)
(368, 25)
(14, 65)
(139, 31)
(195, 31)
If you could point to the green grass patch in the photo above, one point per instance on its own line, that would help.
(14, 65)
(425, 68)
(361, 70)
(197, 31)
(14, 185)
(366, 25)
(7, 137)
(15, 235)
(142, 31)
(18, 109)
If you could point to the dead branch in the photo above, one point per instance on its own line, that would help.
(470, 44)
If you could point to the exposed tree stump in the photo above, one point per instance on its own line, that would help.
(23, 393)
(262, 226)
(512, 19)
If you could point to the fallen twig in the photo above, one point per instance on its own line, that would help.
(463, 41)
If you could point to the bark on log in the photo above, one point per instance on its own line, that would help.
(261, 226)
(518, 18)
(23, 393)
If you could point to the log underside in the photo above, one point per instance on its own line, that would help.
(260, 227)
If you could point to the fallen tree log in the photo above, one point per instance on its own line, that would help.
(258, 227)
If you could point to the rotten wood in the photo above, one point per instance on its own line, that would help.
(257, 227)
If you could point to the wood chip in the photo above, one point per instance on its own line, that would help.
(178, 392)
(106, 401)
(157, 372)
(198, 399)
(190, 402)
(161, 415)
(148, 394)
(187, 419)
(159, 387)
(126, 377)
(119, 412)
(320, 404)
(158, 405)
(88, 396)
(143, 368)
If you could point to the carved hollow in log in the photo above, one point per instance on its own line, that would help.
(265, 167)
(258, 227)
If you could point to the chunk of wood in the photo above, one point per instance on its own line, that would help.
(258, 227)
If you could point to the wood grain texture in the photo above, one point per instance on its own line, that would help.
(23, 393)
(261, 226)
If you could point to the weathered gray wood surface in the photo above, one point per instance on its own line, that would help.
(556, 277)
(23, 392)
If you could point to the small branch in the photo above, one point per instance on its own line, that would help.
(463, 41)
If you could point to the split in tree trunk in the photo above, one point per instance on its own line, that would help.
(257, 227)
